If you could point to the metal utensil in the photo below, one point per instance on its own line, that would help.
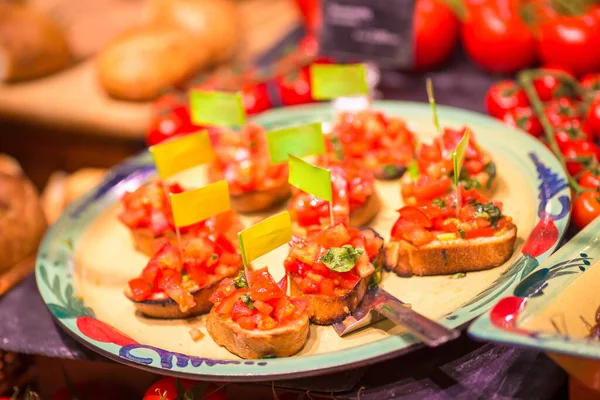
(378, 304)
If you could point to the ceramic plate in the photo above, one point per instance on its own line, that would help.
(87, 258)
(545, 310)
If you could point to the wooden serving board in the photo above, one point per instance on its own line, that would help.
(72, 100)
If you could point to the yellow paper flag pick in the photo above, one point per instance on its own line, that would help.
(265, 236)
(217, 108)
(199, 204)
(309, 178)
(330, 81)
(179, 154)
(301, 141)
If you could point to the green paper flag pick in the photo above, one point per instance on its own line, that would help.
(216, 108)
(329, 81)
(298, 141)
(429, 87)
(458, 156)
(311, 179)
(267, 235)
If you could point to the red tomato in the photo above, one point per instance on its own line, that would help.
(168, 124)
(504, 96)
(140, 289)
(591, 83)
(495, 37)
(592, 122)
(166, 389)
(561, 110)
(311, 14)
(548, 86)
(590, 180)
(263, 287)
(479, 232)
(570, 40)
(586, 208)
(415, 215)
(255, 97)
(579, 149)
(525, 119)
(435, 32)
(432, 189)
(294, 87)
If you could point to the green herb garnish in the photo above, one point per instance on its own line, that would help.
(341, 259)
(391, 171)
(490, 169)
(245, 298)
(439, 202)
(488, 212)
(461, 233)
(213, 257)
(413, 170)
(470, 183)
(337, 146)
(240, 281)
(377, 275)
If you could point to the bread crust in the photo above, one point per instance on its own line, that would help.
(142, 240)
(167, 308)
(361, 216)
(260, 200)
(449, 257)
(283, 341)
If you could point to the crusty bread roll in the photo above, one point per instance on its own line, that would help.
(22, 221)
(31, 45)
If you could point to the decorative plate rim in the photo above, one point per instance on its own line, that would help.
(72, 313)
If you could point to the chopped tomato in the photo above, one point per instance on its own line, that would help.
(415, 215)
(336, 236)
(479, 232)
(266, 323)
(308, 286)
(300, 303)
(284, 309)
(247, 322)
(264, 287)
(140, 289)
(240, 310)
(364, 268)
(327, 287)
(283, 284)
(263, 307)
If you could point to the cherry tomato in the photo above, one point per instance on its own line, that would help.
(255, 97)
(91, 391)
(568, 132)
(591, 83)
(168, 124)
(570, 40)
(590, 180)
(294, 87)
(525, 119)
(436, 30)
(579, 148)
(592, 121)
(495, 37)
(503, 96)
(550, 86)
(561, 110)
(586, 208)
(311, 14)
(166, 389)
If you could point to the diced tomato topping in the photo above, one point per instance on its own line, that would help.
(240, 310)
(283, 284)
(140, 289)
(247, 322)
(263, 307)
(415, 215)
(479, 232)
(327, 287)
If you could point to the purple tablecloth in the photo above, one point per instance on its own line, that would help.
(460, 369)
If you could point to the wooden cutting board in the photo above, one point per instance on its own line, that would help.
(72, 100)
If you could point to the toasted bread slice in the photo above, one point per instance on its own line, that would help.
(283, 341)
(449, 257)
(163, 307)
(361, 216)
(325, 310)
(142, 240)
(260, 200)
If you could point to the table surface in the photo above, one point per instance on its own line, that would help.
(460, 369)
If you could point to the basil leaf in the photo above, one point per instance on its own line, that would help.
(439, 202)
(490, 169)
(341, 259)
(245, 298)
(413, 170)
(240, 280)
(489, 212)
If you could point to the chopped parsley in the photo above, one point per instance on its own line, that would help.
(245, 298)
(337, 146)
(214, 257)
(470, 183)
(240, 281)
(439, 202)
(391, 171)
(341, 259)
(488, 211)
(461, 233)
(377, 274)
(413, 170)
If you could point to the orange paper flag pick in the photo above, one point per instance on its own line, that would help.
(199, 204)
(182, 153)
(265, 236)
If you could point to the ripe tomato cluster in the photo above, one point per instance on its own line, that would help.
(551, 105)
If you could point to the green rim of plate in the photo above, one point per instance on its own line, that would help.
(54, 266)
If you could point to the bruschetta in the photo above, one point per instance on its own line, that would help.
(355, 200)
(257, 319)
(432, 173)
(435, 239)
(242, 158)
(333, 268)
(147, 213)
(384, 144)
(170, 287)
